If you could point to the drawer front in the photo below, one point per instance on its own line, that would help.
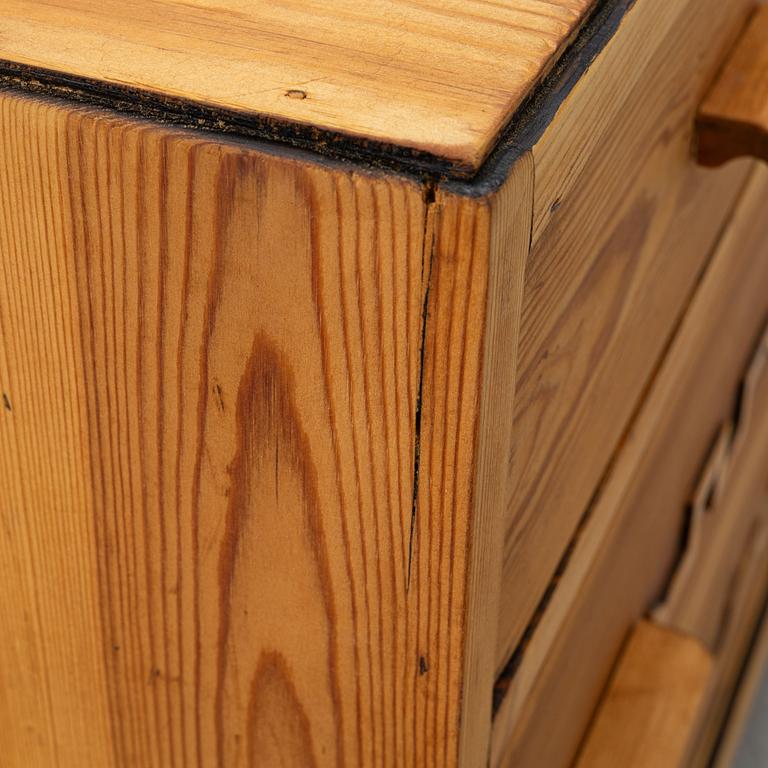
(719, 589)
(728, 512)
(629, 546)
(659, 709)
(623, 224)
(648, 715)
(741, 730)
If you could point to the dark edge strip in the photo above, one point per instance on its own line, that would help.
(524, 129)
(185, 113)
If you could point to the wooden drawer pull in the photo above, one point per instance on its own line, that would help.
(648, 716)
(733, 119)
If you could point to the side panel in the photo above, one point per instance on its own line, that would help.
(626, 554)
(242, 405)
(623, 223)
(211, 357)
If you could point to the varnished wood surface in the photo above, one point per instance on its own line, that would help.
(243, 450)
(436, 76)
(726, 513)
(733, 120)
(627, 550)
(740, 714)
(623, 224)
(749, 592)
(510, 215)
(648, 715)
(721, 592)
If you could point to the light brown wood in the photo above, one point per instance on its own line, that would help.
(720, 592)
(733, 120)
(436, 76)
(623, 224)
(741, 712)
(246, 458)
(649, 712)
(627, 548)
(510, 214)
(725, 515)
(746, 606)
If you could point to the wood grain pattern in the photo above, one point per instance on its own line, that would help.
(623, 224)
(441, 77)
(723, 519)
(728, 585)
(648, 715)
(510, 213)
(239, 447)
(625, 553)
(747, 603)
(739, 717)
(733, 120)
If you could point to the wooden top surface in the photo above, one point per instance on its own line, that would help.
(440, 77)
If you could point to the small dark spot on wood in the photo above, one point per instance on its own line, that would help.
(115, 648)
(295, 93)
(153, 675)
(553, 208)
(7, 402)
(423, 666)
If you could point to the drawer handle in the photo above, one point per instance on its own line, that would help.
(733, 119)
(648, 716)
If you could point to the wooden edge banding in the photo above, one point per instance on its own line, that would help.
(511, 217)
(652, 704)
(733, 119)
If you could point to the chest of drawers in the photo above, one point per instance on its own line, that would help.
(379, 380)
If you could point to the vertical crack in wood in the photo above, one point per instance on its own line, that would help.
(427, 259)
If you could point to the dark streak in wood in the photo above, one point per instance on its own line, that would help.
(279, 731)
(426, 267)
(266, 411)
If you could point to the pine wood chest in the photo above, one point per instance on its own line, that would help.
(383, 384)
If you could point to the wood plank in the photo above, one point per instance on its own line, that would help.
(629, 544)
(741, 711)
(649, 712)
(438, 77)
(748, 600)
(245, 454)
(729, 506)
(510, 213)
(739, 559)
(733, 120)
(623, 224)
